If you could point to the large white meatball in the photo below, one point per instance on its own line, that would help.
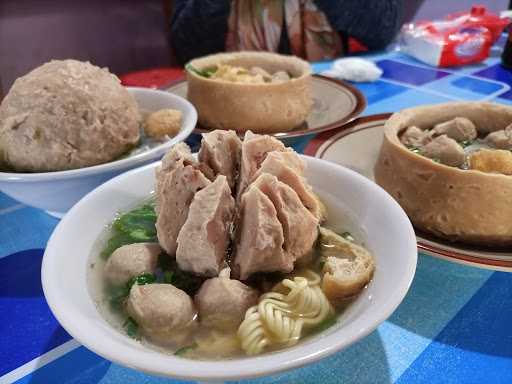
(131, 260)
(66, 114)
(222, 302)
(164, 312)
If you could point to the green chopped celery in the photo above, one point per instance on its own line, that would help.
(168, 277)
(131, 327)
(201, 72)
(119, 294)
(183, 350)
(145, 278)
(139, 224)
(135, 226)
(116, 241)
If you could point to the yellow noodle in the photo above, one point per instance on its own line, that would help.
(278, 319)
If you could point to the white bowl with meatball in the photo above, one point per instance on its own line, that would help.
(245, 260)
(68, 126)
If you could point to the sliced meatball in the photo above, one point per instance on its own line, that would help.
(222, 302)
(259, 247)
(164, 312)
(458, 129)
(414, 137)
(174, 193)
(180, 155)
(204, 238)
(501, 139)
(254, 150)
(221, 151)
(445, 150)
(288, 167)
(299, 225)
(131, 260)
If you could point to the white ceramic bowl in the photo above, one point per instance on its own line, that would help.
(56, 192)
(68, 254)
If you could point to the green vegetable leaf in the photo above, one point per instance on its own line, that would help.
(131, 327)
(136, 226)
(139, 224)
(120, 293)
(117, 296)
(145, 278)
(201, 72)
(466, 143)
(183, 350)
(168, 277)
(116, 241)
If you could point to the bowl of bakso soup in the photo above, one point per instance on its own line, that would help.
(68, 126)
(243, 260)
(259, 91)
(450, 168)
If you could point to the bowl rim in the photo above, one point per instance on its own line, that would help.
(118, 164)
(243, 368)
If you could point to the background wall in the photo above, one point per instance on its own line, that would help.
(124, 35)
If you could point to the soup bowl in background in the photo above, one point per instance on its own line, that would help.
(56, 192)
(73, 244)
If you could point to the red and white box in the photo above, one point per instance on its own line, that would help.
(458, 39)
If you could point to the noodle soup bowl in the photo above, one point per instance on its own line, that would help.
(386, 230)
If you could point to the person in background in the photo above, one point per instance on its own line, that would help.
(312, 29)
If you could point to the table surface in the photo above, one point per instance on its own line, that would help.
(452, 327)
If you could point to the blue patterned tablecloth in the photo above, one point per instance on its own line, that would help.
(454, 326)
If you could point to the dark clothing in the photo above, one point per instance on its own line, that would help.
(199, 27)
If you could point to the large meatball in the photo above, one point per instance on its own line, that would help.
(131, 260)
(164, 312)
(64, 115)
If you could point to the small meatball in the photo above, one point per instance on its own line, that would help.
(131, 260)
(414, 137)
(458, 129)
(260, 71)
(446, 150)
(491, 161)
(222, 302)
(164, 312)
(501, 139)
(280, 77)
(163, 122)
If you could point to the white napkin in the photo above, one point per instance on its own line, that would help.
(354, 69)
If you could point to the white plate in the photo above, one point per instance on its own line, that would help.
(356, 146)
(56, 192)
(68, 254)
